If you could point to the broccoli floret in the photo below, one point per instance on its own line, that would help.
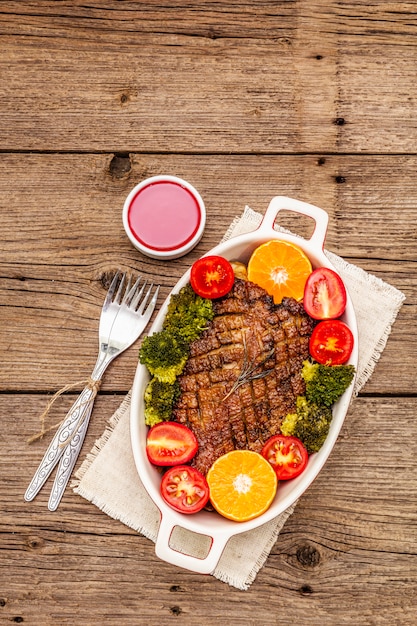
(324, 386)
(164, 354)
(188, 314)
(159, 399)
(310, 423)
(326, 383)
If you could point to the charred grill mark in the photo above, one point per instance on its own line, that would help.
(248, 335)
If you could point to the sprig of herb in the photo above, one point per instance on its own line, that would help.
(249, 370)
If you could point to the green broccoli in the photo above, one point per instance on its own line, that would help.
(310, 423)
(164, 354)
(188, 314)
(326, 383)
(159, 399)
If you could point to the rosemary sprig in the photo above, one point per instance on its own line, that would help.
(249, 370)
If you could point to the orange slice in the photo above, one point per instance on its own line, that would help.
(242, 485)
(281, 268)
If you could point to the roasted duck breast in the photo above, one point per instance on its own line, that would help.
(244, 372)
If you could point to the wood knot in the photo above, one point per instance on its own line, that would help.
(321, 161)
(128, 94)
(35, 543)
(305, 590)
(105, 279)
(340, 121)
(256, 112)
(176, 610)
(308, 556)
(284, 41)
(340, 180)
(211, 34)
(120, 165)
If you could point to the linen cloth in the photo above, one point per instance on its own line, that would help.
(108, 477)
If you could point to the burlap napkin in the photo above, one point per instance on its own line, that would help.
(108, 476)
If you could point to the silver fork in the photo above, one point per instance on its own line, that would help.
(122, 321)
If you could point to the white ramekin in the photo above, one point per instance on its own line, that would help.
(193, 231)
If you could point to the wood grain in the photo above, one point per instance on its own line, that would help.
(77, 217)
(280, 77)
(350, 539)
(246, 100)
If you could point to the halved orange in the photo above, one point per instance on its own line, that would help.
(281, 268)
(242, 485)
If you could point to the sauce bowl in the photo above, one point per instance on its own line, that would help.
(164, 217)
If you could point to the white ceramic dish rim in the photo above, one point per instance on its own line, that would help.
(217, 528)
(176, 252)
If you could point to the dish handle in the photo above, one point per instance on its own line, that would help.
(199, 565)
(282, 203)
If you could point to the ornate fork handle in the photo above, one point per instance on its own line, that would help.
(56, 448)
(77, 416)
(69, 457)
(73, 447)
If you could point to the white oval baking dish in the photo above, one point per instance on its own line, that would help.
(211, 524)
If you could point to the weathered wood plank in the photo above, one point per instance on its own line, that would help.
(58, 209)
(78, 201)
(46, 349)
(277, 77)
(348, 551)
(314, 100)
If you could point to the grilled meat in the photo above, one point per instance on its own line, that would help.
(244, 372)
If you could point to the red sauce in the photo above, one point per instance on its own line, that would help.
(164, 216)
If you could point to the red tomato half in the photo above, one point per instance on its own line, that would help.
(331, 342)
(324, 294)
(170, 443)
(286, 454)
(185, 489)
(212, 277)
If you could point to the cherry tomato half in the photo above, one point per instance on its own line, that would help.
(324, 294)
(170, 443)
(212, 277)
(287, 455)
(331, 342)
(185, 489)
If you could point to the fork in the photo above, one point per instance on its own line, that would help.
(122, 321)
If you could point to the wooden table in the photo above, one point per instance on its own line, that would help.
(246, 100)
